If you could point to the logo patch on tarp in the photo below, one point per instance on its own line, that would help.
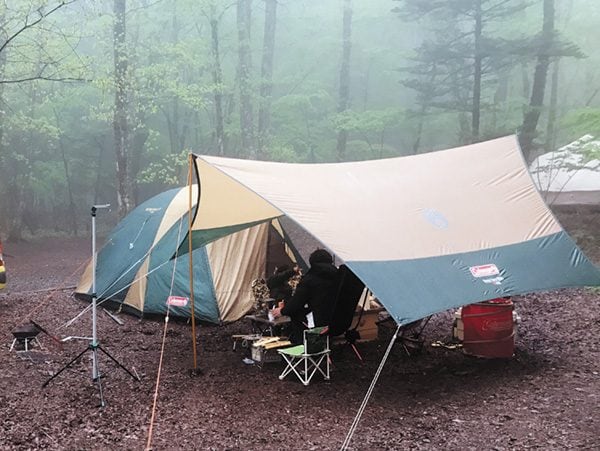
(484, 270)
(177, 301)
(435, 218)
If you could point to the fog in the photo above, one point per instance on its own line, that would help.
(102, 101)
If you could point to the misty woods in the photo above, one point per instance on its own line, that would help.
(102, 101)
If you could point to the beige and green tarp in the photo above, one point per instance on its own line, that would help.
(425, 233)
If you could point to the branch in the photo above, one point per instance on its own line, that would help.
(27, 25)
(40, 77)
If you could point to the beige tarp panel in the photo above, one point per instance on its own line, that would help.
(235, 263)
(224, 202)
(137, 290)
(474, 187)
(85, 283)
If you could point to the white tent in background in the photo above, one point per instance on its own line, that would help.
(565, 177)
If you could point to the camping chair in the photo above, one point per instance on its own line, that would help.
(410, 335)
(307, 359)
(349, 292)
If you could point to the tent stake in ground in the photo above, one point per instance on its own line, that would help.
(94, 345)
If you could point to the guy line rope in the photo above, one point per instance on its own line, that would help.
(162, 348)
(363, 405)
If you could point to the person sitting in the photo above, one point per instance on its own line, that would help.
(314, 294)
(279, 283)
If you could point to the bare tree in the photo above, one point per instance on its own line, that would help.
(266, 86)
(532, 116)
(244, 8)
(344, 94)
(32, 17)
(478, 58)
(214, 20)
(68, 178)
(120, 123)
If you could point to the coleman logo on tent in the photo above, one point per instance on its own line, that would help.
(177, 301)
(484, 270)
(153, 210)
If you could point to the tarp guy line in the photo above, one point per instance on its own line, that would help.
(363, 405)
(162, 347)
(71, 321)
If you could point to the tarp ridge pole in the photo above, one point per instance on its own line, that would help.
(191, 260)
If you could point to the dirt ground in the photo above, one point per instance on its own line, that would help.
(546, 397)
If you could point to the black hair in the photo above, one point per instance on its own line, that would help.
(320, 256)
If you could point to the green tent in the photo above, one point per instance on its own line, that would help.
(145, 260)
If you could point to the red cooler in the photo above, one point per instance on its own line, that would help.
(489, 329)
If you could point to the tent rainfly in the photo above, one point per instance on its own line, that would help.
(139, 267)
(566, 177)
(425, 233)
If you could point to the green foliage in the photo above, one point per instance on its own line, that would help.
(583, 121)
(592, 152)
(51, 130)
(168, 171)
(302, 122)
(283, 153)
(368, 121)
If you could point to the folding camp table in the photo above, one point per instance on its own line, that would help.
(264, 326)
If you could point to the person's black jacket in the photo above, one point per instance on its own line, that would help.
(315, 293)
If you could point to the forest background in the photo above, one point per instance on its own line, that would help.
(101, 101)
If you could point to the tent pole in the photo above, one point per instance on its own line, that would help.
(190, 219)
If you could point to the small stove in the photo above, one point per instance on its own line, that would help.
(25, 336)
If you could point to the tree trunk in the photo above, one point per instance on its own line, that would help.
(138, 142)
(420, 125)
(526, 84)
(72, 208)
(140, 134)
(266, 86)
(476, 110)
(221, 144)
(244, 69)
(366, 82)
(424, 99)
(4, 218)
(21, 192)
(179, 130)
(532, 116)
(120, 126)
(550, 144)
(344, 99)
(500, 97)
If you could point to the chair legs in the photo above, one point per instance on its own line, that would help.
(306, 366)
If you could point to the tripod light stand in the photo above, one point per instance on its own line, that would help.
(94, 345)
